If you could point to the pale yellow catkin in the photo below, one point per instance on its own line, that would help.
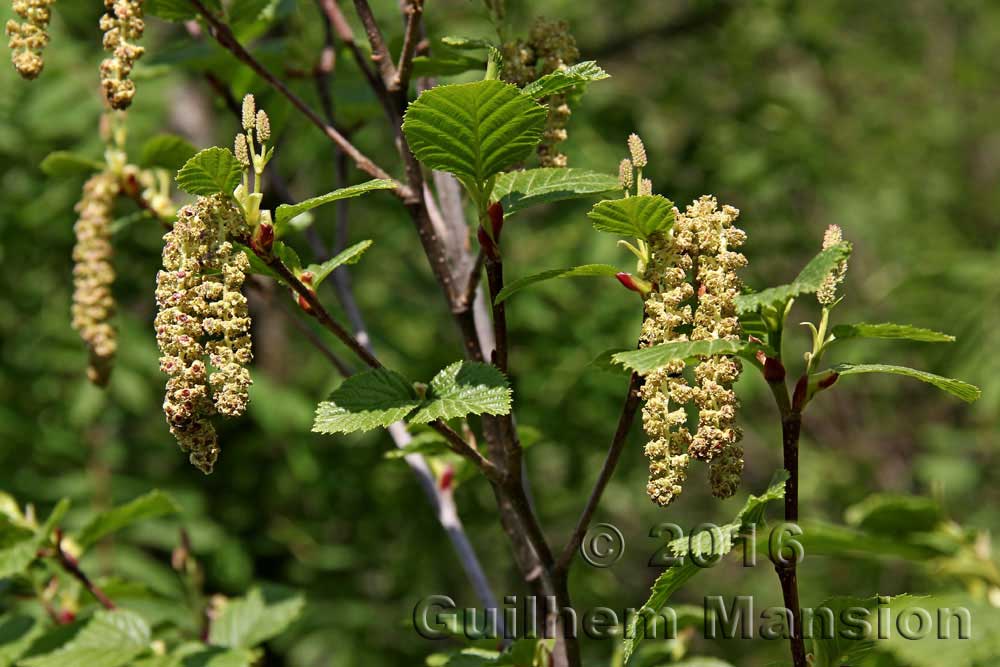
(29, 37)
(123, 26)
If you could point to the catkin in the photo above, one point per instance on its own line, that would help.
(29, 38)
(202, 314)
(93, 275)
(827, 292)
(693, 272)
(123, 27)
(549, 48)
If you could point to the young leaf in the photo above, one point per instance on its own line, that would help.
(674, 577)
(443, 63)
(365, 401)
(517, 190)
(807, 282)
(650, 358)
(65, 163)
(562, 79)
(473, 130)
(167, 151)
(153, 504)
(890, 331)
(211, 171)
(109, 639)
(574, 272)
(19, 549)
(465, 388)
(251, 620)
(640, 217)
(286, 212)
(963, 390)
(465, 43)
(287, 255)
(349, 255)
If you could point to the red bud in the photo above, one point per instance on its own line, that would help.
(496, 219)
(774, 370)
(263, 238)
(447, 478)
(65, 617)
(304, 303)
(487, 244)
(626, 280)
(828, 381)
(799, 395)
(702, 290)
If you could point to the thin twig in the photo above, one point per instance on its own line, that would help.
(380, 52)
(625, 420)
(72, 567)
(411, 36)
(224, 36)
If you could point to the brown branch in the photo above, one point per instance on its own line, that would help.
(411, 37)
(625, 420)
(380, 52)
(72, 567)
(494, 276)
(224, 36)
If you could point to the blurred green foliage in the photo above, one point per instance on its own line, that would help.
(880, 117)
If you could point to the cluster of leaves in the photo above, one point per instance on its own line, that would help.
(142, 625)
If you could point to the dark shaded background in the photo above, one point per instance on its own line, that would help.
(878, 116)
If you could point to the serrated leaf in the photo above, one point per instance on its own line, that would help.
(17, 633)
(674, 577)
(217, 657)
(846, 645)
(518, 190)
(425, 444)
(211, 171)
(20, 547)
(286, 212)
(251, 620)
(473, 130)
(109, 639)
(365, 401)
(465, 388)
(447, 64)
(167, 151)
(586, 270)
(807, 282)
(650, 358)
(287, 255)
(895, 514)
(963, 390)
(891, 332)
(560, 80)
(65, 163)
(153, 504)
(176, 10)
(640, 216)
(349, 255)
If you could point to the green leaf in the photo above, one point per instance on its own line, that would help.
(465, 388)
(570, 77)
(251, 620)
(176, 10)
(286, 212)
(17, 634)
(447, 64)
(425, 444)
(473, 130)
(674, 577)
(19, 547)
(365, 401)
(167, 151)
(65, 163)
(963, 390)
(153, 504)
(109, 639)
(211, 171)
(465, 43)
(287, 255)
(257, 265)
(895, 514)
(517, 190)
(214, 656)
(827, 539)
(891, 332)
(847, 645)
(650, 358)
(640, 217)
(586, 270)
(807, 282)
(347, 256)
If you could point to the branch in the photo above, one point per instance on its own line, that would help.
(629, 410)
(224, 36)
(414, 11)
(72, 567)
(380, 53)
